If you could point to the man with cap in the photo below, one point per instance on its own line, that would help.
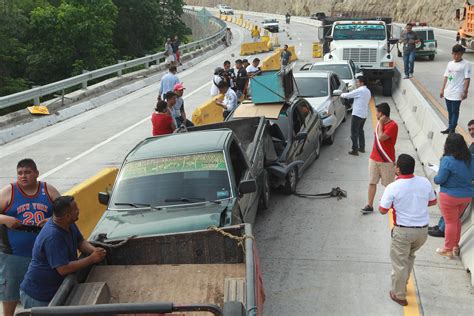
(178, 108)
(382, 158)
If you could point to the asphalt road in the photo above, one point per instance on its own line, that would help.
(318, 257)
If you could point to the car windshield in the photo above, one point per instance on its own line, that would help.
(203, 177)
(312, 87)
(359, 32)
(342, 71)
(270, 21)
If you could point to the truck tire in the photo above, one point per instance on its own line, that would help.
(290, 182)
(330, 139)
(387, 87)
(264, 199)
(233, 309)
(431, 57)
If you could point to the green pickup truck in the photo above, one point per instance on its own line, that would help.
(209, 175)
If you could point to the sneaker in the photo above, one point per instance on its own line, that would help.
(435, 232)
(406, 77)
(354, 153)
(433, 227)
(411, 75)
(367, 210)
(446, 131)
(361, 150)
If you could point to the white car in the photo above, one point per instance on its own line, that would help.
(322, 90)
(225, 9)
(272, 25)
(346, 70)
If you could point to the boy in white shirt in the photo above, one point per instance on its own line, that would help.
(457, 78)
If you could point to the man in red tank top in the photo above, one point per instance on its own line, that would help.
(382, 158)
(25, 202)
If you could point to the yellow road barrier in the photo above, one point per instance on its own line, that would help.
(86, 196)
(253, 48)
(208, 112)
(317, 50)
(273, 62)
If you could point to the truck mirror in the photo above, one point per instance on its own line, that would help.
(328, 38)
(104, 198)
(301, 136)
(458, 14)
(247, 186)
(337, 93)
(393, 41)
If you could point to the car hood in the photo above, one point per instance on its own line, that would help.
(318, 104)
(139, 222)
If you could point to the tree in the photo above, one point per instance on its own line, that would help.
(73, 36)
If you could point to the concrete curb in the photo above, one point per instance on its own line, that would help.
(424, 126)
(9, 134)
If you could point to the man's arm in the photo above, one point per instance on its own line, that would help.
(441, 93)
(73, 266)
(5, 200)
(467, 82)
(386, 201)
(86, 247)
(52, 192)
(351, 95)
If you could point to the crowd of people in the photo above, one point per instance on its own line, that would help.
(172, 53)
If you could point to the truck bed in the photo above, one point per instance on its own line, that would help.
(181, 284)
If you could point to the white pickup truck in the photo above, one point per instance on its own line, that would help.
(271, 25)
(367, 43)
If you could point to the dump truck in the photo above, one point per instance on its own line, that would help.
(209, 272)
(367, 42)
(465, 34)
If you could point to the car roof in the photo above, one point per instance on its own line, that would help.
(180, 144)
(312, 74)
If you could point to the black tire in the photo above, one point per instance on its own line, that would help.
(431, 57)
(234, 309)
(291, 181)
(264, 199)
(387, 87)
(330, 139)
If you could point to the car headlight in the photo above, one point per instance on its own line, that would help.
(387, 64)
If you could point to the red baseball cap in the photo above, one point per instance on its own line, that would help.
(178, 86)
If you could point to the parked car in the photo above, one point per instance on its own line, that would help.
(296, 134)
(322, 90)
(271, 25)
(225, 9)
(346, 70)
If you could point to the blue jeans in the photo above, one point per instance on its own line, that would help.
(409, 62)
(29, 302)
(453, 113)
(441, 224)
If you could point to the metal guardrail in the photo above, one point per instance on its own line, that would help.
(59, 86)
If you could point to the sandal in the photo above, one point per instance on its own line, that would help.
(444, 252)
(456, 251)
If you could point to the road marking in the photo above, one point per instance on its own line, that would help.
(413, 308)
(108, 140)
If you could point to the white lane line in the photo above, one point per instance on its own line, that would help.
(300, 46)
(108, 140)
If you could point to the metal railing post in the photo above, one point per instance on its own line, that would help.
(84, 83)
(119, 72)
(36, 100)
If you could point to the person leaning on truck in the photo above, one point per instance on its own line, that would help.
(29, 202)
(409, 40)
(230, 98)
(457, 78)
(55, 254)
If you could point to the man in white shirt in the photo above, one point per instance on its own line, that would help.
(408, 197)
(229, 103)
(457, 78)
(360, 109)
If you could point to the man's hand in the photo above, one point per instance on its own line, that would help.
(11, 222)
(441, 94)
(98, 255)
(464, 95)
(384, 120)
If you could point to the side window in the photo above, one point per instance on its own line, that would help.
(336, 81)
(430, 35)
(297, 122)
(239, 165)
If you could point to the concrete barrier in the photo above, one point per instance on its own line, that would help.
(423, 124)
(208, 112)
(86, 196)
(272, 62)
(253, 48)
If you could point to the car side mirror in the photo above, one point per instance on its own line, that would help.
(337, 93)
(328, 38)
(393, 41)
(104, 198)
(301, 136)
(247, 186)
(359, 74)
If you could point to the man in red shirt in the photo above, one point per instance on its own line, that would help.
(382, 158)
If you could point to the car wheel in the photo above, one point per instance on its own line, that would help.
(291, 180)
(431, 57)
(330, 139)
(264, 199)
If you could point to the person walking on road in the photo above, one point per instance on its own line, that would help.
(55, 254)
(230, 101)
(438, 230)
(175, 44)
(409, 38)
(457, 78)
(360, 109)
(255, 34)
(25, 202)
(170, 56)
(287, 17)
(382, 158)
(228, 37)
(409, 197)
(168, 82)
(285, 57)
(455, 176)
(161, 120)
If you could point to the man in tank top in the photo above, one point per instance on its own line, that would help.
(24, 205)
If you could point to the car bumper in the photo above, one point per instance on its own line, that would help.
(328, 123)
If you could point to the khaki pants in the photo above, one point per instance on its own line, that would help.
(405, 242)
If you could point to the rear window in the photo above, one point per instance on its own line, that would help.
(430, 35)
(422, 35)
